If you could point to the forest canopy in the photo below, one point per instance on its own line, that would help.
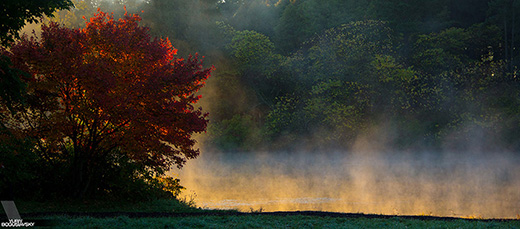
(322, 73)
(290, 74)
(428, 74)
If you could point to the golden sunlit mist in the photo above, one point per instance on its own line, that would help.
(439, 184)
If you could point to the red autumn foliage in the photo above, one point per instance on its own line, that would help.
(109, 87)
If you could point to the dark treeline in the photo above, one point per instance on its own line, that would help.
(322, 73)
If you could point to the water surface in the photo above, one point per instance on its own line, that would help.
(404, 183)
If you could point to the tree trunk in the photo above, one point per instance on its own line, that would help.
(79, 175)
(512, 52)
(506, 49)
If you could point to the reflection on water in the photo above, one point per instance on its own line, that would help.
(447, 184)
(234, 204)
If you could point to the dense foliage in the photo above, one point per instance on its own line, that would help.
(15, 14)
(324, 73)
(15, 152)
(422, 73)
(105, 99)
(290, 73)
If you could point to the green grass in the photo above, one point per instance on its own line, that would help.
(254, 220)
(269, 221)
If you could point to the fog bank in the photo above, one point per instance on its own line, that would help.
(428, 183)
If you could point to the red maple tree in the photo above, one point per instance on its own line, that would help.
(108, 88)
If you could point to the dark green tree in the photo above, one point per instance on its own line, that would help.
(336, 87)
(465, 13)
(505, 14)
(190, 24)
(254, 56)
(15, 14)
(292, 29)
(16, 158)
(302, 19)
(411, 16)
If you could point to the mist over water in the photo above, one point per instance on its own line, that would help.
(470, 184)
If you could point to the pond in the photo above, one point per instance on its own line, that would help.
(403, 183)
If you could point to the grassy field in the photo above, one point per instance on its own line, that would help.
(268, 221)
(91, 214)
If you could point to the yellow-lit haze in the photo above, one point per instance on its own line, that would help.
(368, 178)
(427, 183)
